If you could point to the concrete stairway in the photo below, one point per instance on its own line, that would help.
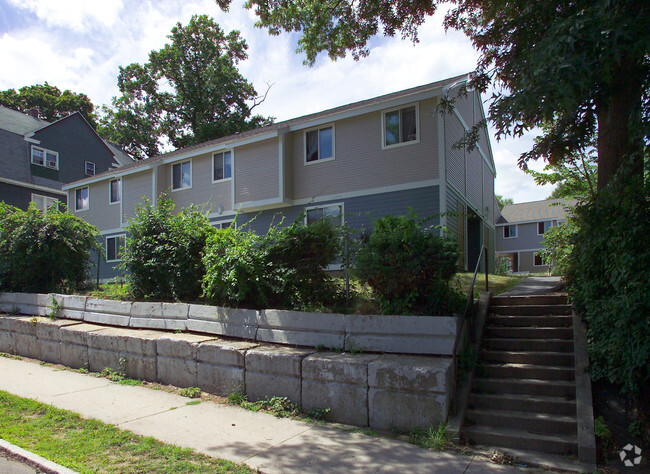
(523, 391)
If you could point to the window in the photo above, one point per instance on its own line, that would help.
(333, 213)
(43, 157)
(319, 144)
(82, 199)
(537, 261)
(182, 175)
(221, 166)
(114, 247)
(222, 224)
(115, 191)
(44, 202)
(90, 168)
(542, 227)
(509, 231)
(400, 126)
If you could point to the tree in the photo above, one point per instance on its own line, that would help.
(503, 202)
(52, 104)
(578, 67)
(190, 91)
(575, 179)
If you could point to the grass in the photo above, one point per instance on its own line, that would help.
(111, 291)
(497, 283)
(433, 438)
(91, 446)
(280, 407)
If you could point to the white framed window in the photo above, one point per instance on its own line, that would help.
(44, 157)
(114, 247)
(332, 212)
(222, 224)
(221, 166)
(90, 168)
(543, 226)
(319, 144)
(537, 261)
(400, 126)
(82, 199)
(182, 175)
(115, 191)
(510, 231)
(44, 202)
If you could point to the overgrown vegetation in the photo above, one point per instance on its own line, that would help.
(87, 445)
(608, 275)
(409, 267)
(163, 255)
(558, 245)
(42, 252)
(433, 438)
(281, 407)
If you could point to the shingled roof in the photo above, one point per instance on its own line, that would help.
(19, 122)
(535, 211)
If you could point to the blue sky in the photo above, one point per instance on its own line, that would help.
(79, 45)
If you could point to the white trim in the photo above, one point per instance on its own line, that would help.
(32, 140)
(103, 177)
(75, 199)
(281, 139)
(224, 214)
(181, 163)
(478, 147)
(223, 155)
(559, 221)
(223, 221)
(442, 168)
(109, 232)
(45, 153)
(154, 186)
(304, 142)
(417, 126)
(35, 187)
(119, 180)
(262, 204)
(520, 250)
(117, 236)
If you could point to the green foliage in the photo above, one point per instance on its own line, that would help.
(503, 202)
(190, 392)
(609, 281)
(575, 179)
(408, 267)
(282, 269)
(433, 438)
(163, 254)
(44, 252)
(502, 265)
(189, 92)
(55, 308)
(558, 245)
(51, 103)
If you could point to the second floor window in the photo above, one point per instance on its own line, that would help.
(221, 166)
(115, 191)
(182, 175)
(542, 227)
(43, 157)
(400, 126)
(509, 231)
(319, 144)
(82, 199)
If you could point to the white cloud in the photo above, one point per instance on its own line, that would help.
(78, 15)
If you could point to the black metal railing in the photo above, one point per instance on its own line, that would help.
(466, 316)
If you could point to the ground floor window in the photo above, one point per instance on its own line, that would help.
(222, 224)
(114, 247)
(44, 202)
(332, 212)
(537, 261)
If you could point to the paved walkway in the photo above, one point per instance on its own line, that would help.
(273, 445)
(535, 285)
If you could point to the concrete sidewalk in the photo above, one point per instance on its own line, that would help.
(535, 285)
(262, 441)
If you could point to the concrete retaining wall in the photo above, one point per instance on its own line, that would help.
(380, 391)
(422, 335)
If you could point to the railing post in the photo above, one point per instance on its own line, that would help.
(487, 287)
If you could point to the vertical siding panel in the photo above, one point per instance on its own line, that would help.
(257, 171)
(454, 157)
(475, 180)
(488, 193)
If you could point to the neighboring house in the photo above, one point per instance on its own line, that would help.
(354, 163)
(38, 157)
(521, 228)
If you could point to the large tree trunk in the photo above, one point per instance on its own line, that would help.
(619, 117)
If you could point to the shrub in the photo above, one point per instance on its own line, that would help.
(558, 246)
(608, 275)
(43, 252)
(163, 253)
(408, 267)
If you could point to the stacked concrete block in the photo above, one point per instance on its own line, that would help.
(72, 306)
(221, 366)
(240, 323)
(401, 334)
(74, 344)
(23, 340)
(168, 316)
(338, 382)
(7, 339)
(406, 392)
(32, 304)
(177, 359)
(275, 371)
(302, 329)
(48, 334)
(114, 313)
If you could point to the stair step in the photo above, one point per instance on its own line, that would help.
(526, 321)
(531, 310)
(539, 423)
(521, 439)
(538, 404)
(528, 332)
(525, 371)
(537, 300)
(531, 387)
(523, 344)
(562, 359)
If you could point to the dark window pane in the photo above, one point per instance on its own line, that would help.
(408, 124)
(392, 128)
(227, 165)
(326, 143)
(312, 145)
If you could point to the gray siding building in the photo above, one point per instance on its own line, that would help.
(360, 161)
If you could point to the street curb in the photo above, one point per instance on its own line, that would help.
(34, 460)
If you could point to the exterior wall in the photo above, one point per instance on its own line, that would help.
(527, 263)
(135, 187)
(454, 157)
(100, 213)
(13, 152)
(527, 238)
(257, 171)
(361, 163)
(20, 196)
(474, 181)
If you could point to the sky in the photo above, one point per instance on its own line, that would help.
(80, 45)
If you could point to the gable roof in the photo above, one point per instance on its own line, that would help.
(535, 211)
(18, 122)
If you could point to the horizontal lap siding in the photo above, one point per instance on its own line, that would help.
(135, 187)
(527, 263)
(361, 163)
(100, 214)
(257, 173)
(527, 238)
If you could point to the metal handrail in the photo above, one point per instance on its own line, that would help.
(459, 331)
